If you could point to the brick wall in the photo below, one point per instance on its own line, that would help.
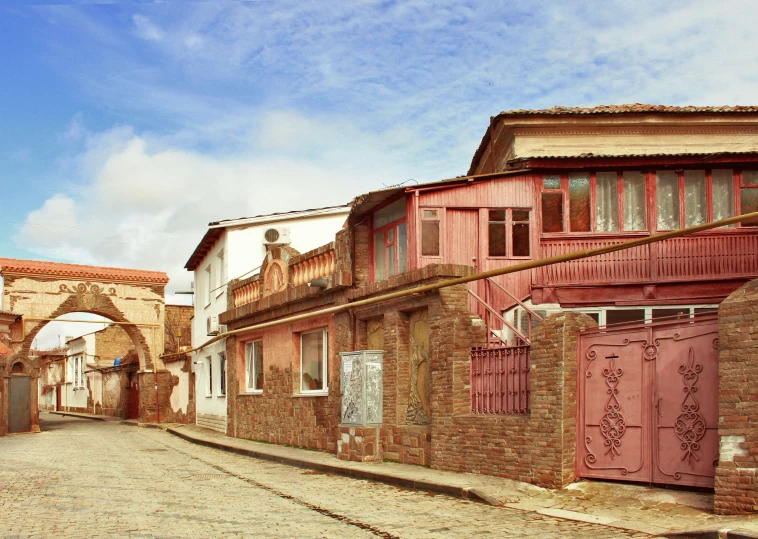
(110, 343)
(538, 448)
(736, 489)
(178, 327)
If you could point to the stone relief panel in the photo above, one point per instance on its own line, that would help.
(419, 398)
(375, 334)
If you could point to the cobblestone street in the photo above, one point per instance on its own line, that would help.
(82, 478)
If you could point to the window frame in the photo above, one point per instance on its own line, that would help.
(566, 202)
(440, 221)
(708, 172)
(393, 225)
(324, 361)
(249, 358)
(508, 224)
(222, 374)
(208, 284)
(737, 192)
(209, 386)
(220, 273)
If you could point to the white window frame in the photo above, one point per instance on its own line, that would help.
(222, 374)
(324, 361)
(208, 284)
(250, 360)
(209, 385)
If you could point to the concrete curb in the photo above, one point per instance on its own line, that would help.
(78, 415)
(711, 534)
(465, 493)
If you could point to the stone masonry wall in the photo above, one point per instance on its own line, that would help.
(736, 489)
(538, 448)
(110, 343)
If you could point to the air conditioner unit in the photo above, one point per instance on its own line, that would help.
(222, 328)
(276, 236)
(213, 325)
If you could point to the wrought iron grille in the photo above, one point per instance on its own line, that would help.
(500, 380)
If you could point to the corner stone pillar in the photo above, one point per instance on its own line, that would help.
(736, 488)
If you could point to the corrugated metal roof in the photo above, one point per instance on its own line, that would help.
(591, 155)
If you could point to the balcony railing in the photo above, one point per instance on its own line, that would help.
(716, 256)
(316, 264)
(246, 291)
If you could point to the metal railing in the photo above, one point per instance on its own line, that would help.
(499, 379)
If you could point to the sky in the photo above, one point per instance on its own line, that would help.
(128, 126)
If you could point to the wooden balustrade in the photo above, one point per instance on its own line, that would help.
(704, 256)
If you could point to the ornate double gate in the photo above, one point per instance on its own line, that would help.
(648, 403)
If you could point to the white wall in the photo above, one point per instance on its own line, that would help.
(244, 251)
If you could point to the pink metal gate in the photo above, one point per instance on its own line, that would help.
(648, 403)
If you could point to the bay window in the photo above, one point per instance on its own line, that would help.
(313, 361)
(390, 242)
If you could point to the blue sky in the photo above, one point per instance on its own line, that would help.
(128, 126)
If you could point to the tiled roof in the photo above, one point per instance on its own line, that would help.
(629, 109)
(39, 267)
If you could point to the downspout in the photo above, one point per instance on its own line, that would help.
(574, 255)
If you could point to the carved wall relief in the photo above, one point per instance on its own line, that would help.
(375, 334)
(419, 409)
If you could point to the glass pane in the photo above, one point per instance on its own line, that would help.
(497, 239)
(497, 215)
(671, 314)
(391, 235)
(520, 215)
(430, 214)
(579, 202)
(520, 239)
(312, 361)
(258, 354)
(722, 194)
(667, 199)
(391, 261)
(390, 213)
(430, 238)
(749, 204)
(705, 311)
(402, 249)
(750, 177)
(552, 212)
(250, 363)
(695, 204)
(634, 200)
(379, 256)
(607, 219)
(625, 316)
(551, 182)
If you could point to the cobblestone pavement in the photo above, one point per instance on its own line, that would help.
(82, 478)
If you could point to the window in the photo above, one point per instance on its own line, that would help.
(220, 274)
(209, 364)
(254, 366)
(313, 361)
(749, 195)
(222, 374)
(76, 371)
(430, 232)
(390, 243)
(597, 202)
(208, 284)
(500, 242)
(682, 197)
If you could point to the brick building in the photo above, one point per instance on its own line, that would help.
(497, 376)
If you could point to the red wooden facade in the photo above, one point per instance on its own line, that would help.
(504, 219)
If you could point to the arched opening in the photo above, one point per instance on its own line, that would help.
(87, 363)
(18, 368)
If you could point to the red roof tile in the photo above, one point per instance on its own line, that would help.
(629, 109)
(39, 267)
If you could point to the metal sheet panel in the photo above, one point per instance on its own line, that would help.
(19, 413)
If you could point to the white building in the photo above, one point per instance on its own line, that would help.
(74, 393)
(235, 249)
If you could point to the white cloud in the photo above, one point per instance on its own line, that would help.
(146, 29)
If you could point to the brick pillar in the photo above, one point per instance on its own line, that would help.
(736, 489)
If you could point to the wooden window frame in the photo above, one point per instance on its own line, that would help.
(564, 189)
(222, 374)
(508, 224)
(420, 237)
(738, 187)
(383, 229)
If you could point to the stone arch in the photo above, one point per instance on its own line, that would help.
(105, 308)
(18, 367)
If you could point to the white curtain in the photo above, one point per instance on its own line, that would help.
(634, 200)
(607, 219)
(667, 199)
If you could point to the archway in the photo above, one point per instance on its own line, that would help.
(40, 292)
